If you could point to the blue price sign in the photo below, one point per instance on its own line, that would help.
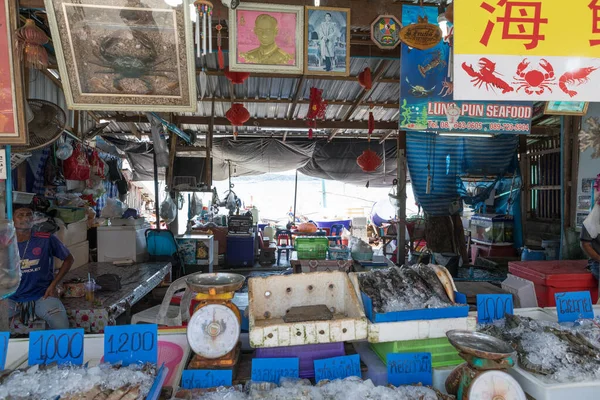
(409, 369)
(572, 306)
(273, 369)
(491, 307)
(131, 344)
(337, 367)
(205, 378)
(4, 336)
(61, 346)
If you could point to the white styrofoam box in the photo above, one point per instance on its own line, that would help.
(412, 330)
(270, 297)
(522, 289)
(540, 390)
(117, 243)
(138, 223)
(81, 254)
(73, 233)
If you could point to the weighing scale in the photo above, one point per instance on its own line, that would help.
(483, 376)
(214, 329)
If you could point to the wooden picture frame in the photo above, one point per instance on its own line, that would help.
(13, 126)
(316, 61)
(566, 108)
(113, 56)
(281, 50)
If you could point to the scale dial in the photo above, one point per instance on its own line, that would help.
(495, 385)
(213, 331)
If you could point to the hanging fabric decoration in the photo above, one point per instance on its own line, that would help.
(30, 44)
(236, 77)
(204, 10)
(220, 57)
(365, 80)
(371, 123)
(238, 115)
(316, 109)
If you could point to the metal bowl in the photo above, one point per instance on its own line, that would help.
(479, 345)
(216, 283)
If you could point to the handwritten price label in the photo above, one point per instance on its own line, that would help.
(491, 307)
(61, 346)
(409, 369)
(4, 336)
(572, 306)
(273, 369)
(205, 378)
(131, 344)
(337, 367)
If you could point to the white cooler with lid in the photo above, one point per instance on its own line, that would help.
(118, 243)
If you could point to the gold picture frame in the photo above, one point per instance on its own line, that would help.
(13, 126)
(578, 108)
(316, 61)
(122, 56)
(281, 50)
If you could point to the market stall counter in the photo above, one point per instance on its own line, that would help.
(136, 280)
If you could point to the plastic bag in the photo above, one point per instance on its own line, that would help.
(64, 150)
(10, 262)
(196, 205)
(168, 209)
(77, 167)
(97, 165)
(114, 208)
(69, 200)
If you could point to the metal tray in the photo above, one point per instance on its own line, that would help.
(479, 345)
(216, 283)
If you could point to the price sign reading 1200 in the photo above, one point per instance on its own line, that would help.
(131, 344)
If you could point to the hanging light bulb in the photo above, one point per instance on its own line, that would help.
(317, 3)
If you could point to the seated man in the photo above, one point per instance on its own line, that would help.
(590, 239)
(36, 295)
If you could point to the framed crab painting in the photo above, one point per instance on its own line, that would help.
(124, 55)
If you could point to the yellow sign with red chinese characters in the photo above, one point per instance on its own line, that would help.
(527, 50)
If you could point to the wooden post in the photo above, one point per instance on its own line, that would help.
(209, 145)
(401, 192)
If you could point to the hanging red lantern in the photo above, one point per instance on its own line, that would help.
(365, 80)
(368, 161)
(236, 77)
(238, 115)
(316, 109)
(30, 44)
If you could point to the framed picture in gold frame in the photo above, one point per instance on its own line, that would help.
(566, 108)
(13, 127)
(327, 41)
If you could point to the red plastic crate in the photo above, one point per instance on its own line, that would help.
(551, 277)
(306, 354)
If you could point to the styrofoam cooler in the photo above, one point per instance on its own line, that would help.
(306, 354)
(80, 253)
(116, 243)
(522, 289)
(74, 233)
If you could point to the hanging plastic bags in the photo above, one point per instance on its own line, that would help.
(10, 262)
(77, 167)
(114, 208)
(196, 204)
(97, 165)
(168, 209)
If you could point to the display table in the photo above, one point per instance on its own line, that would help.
(136, 281)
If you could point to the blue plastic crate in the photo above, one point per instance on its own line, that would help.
(412, 315)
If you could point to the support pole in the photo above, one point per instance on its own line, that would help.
(401, 190)
(156, 204)
(295, 196)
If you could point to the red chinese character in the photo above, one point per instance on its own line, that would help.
(595, 7)
(520, 13)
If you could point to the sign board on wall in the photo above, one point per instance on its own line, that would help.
(426, 98)
(528, 51)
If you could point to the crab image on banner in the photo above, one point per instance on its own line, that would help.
(514, 50)
(426, 92)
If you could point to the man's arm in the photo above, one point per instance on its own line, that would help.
(66, 266)
(588, 249)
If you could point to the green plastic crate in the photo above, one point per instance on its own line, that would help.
(311, 247)
(443, 354)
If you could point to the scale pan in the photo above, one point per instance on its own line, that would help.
(216, 283)
(479, 345)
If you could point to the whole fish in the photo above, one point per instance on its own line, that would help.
(429, 275)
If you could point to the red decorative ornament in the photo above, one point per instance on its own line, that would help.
(220, 57)
(238, 114)
(371, 123)
(30, 43)
(365, 80)
(236, 77)
(368, 161)
(316, 109)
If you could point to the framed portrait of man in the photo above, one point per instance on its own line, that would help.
(266, 38)
(327, 41)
